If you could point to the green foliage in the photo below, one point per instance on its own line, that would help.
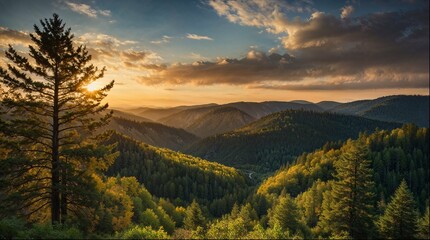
(171, 210)
(286, 215)
(400, 217)
(352, 200)
(165, 220)
(227, 229)
(238, 224)
(48, 125)
(124, 201)
(398, 154)
(149, 218)
(179, 177)
(310, 202)
(47, 231)
(277, 139)
(194, 217)
(397, 108)
(146, 232)
(13, 228)
(424, 226)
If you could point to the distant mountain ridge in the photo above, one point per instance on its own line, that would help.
(397, 108)
(219, 120)
(278, 138)
(157, 113)
(325, 105)
(130, 116)
(153, 133)
(204, 120)
(259, 110)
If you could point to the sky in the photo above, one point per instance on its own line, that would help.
(167, 53)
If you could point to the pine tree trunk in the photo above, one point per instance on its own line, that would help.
(55, 171)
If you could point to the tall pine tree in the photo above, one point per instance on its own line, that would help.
(400, 217)
(48, 124)
(352, 195)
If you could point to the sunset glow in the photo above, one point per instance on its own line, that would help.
(92, 86)
(217, 51)
(214, 119)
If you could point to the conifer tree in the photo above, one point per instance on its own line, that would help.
(48, 124)
(424, 226)
(194, 216)
(286, 215)
(352, 195)
(400, 217)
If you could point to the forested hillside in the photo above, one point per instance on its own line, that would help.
(401, 108)
(179, 177)
(153, 133)
(262, 109)
(275, 140)
(398, 154)
(214, 119)
(315, 178)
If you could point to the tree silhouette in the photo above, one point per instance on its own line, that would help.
(49, 123)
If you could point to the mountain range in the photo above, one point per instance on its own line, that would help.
(153, 133)
(205, 120)
(403, 109)
(265, 135)
(274, 140)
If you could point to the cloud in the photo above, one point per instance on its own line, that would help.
(371, 79)
(164, 39)
(269, 15)
(198, 37)
(346, 11)
(255, 67)
(13, 37)
(106, 13)
(197, 56)
(380, 50)
(86, 9)
(103, 40)
(120, 55)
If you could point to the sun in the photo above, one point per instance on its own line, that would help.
(92, 86)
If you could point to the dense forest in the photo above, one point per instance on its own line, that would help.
(399, 108)
(65, 174)
(180, 178)
(274, 140)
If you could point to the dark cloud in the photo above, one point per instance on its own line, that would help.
(407, 81)
(380, 50)
(256, 66)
